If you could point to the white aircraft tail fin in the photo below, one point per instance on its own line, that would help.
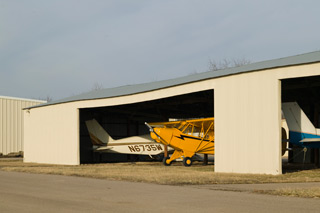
(296, 119)
(97, 134)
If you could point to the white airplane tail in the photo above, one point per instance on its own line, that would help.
(97, 134)
(296, 119)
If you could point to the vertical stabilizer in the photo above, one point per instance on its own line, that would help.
(296, 119)
(97, 134)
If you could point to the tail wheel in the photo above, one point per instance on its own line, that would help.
(187, 161)
(166, 161)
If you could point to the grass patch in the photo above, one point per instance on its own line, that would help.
(155, 172)
(294, 192)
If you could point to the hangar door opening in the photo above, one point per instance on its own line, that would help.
(301, 100)
(123, 121)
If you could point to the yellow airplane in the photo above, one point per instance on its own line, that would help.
(187, 137)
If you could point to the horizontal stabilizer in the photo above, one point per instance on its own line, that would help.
(104, 148)
(310, 140)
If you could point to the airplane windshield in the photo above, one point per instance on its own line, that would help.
(190, 129)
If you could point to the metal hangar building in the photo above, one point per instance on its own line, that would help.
(245, 101)
(11, 123)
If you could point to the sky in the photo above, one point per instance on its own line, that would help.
(62, 48)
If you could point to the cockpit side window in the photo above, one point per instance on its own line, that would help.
(188, 129)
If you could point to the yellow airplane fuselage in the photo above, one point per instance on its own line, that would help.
(189, 144)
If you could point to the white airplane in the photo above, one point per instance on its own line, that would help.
(301, 131)
(139, 145)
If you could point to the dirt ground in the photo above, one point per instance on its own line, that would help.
(23, 192)
(177, 174)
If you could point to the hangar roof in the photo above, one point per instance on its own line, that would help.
(139, 88)
(22, 99)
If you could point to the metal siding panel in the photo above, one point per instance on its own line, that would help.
(11, 123)
(13, 126)
(19, 114)
(5, 125)
(1, 125)
(23, 105)
(3, 121)
(18, 126)
(10, 127)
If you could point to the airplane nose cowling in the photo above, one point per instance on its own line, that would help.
(154, 136)
(165, 135)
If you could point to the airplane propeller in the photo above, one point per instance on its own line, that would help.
(151, 129)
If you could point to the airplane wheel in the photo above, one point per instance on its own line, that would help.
(187, 161)
(165, 161)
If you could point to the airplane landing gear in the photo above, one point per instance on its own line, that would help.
(166, 161)
(187, 161)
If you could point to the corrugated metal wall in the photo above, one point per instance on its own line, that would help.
(11, 123)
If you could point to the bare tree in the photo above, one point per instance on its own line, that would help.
(49, 98)
(97, 86)
(240, 62)
(227, 63)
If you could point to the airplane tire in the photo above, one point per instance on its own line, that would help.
(165, 161)
(187, 161)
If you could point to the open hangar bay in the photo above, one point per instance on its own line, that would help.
(245, 101)
(128, 120)
(306, 92)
